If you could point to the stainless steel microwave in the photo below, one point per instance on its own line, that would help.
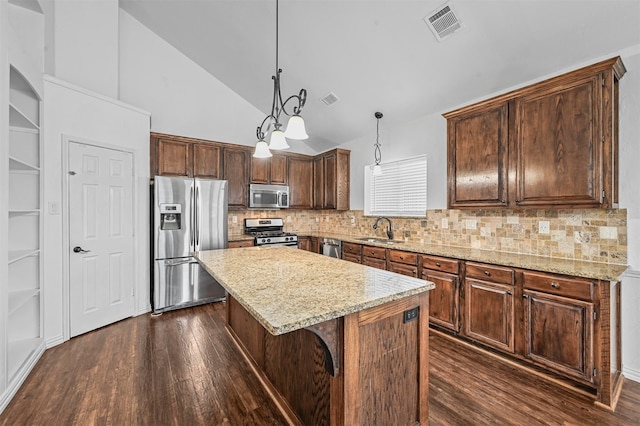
(268, 196)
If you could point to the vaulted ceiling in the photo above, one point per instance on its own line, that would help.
(379, 55)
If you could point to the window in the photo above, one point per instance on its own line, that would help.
(401, 189)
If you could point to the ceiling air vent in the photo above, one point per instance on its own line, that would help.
(443, 21)
(330, 99)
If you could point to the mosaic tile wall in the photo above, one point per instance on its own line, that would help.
(589, 234)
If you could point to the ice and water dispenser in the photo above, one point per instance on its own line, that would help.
(170, 217)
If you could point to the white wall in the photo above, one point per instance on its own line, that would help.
(182, 97)
(86, 44)
(74, 111)
(428, 136)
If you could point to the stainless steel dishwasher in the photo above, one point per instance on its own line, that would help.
(332, 247)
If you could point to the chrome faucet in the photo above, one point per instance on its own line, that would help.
(389, 231)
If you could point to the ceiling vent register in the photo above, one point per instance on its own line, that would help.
(443, 21)
(330, 99)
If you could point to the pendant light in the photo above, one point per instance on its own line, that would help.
(377, 170)
(295, 127)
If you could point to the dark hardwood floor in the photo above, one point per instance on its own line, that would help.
(181, 368)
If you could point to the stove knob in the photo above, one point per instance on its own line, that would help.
(286, 238)
(264, 241)
(268, 240)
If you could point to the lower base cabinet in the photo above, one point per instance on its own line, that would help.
(489, 314)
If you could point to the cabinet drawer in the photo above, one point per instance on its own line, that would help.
(440, 264)
(403, 257)
(240, 243)
(352, 248)
(376, 252)
(355, 258)
(491, 273)
(404, 269)
(376, 263)
(561, 286)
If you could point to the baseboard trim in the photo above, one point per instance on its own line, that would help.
(20, 377)
(631, 374)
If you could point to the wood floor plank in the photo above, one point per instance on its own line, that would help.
(181, 368)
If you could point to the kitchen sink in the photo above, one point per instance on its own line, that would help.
(378, 240)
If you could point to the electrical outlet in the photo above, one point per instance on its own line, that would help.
(353, 220)
(543, 227)
(234, 219)
(608, 232)
(411, 314)
(471, 224)
(445, 223)
(288, 218)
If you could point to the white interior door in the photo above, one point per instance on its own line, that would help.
(101, 273)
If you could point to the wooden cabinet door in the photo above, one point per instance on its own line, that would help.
(206, 161)
(304, 243)
(236, 172)
(559, 146)
(318, 183)
(279, 170)
(559, 334)
(402, 268)
(478, 150)
(174, 158)
(444, 299)
(260, 170)
(489, 314)
(300, 183)
(330, 180)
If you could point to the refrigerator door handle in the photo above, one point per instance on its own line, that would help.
(192, 220)
(196, 212)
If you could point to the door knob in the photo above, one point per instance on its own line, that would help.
(78, 249)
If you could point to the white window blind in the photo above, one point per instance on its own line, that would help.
(401, 189)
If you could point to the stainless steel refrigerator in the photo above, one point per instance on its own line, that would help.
(189, 215)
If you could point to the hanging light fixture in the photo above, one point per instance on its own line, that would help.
(377, 170)
(295, 127)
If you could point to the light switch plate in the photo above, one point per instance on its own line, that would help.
(471, 224)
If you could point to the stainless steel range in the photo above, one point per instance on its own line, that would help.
(269, 232)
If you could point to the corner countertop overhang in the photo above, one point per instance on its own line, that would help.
(287, 289)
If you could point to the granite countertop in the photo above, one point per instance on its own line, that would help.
(584, 269)
(287, 289)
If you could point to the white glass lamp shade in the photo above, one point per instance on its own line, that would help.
(278, 140)
(262, 150)
(295, 128)
(377, 170)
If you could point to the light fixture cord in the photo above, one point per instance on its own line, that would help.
(377, 153)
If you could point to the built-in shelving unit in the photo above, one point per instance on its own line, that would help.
(24, 316)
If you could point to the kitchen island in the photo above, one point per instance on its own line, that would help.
(332, 341)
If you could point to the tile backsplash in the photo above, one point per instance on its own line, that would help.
(590, 234)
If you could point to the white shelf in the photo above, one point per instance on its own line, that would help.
(18, 119)
(15, 165)
(19, 352)
(17, 299)
(16, 255)
(24, 212)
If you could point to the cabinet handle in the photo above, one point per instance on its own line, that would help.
(517, 201)
(401, 257)
(555, 285)
(487, 273)
(438, 264)
(509, 293)
(503, 201)
(525, 296)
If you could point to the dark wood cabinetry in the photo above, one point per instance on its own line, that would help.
(235, 162)
(559, 318)
(320, 182)
(272, 170)
(300, 182)
(444, 300)
(240, 243)
(309, 244)
(331, 173)
(403, 262)
(551, 144)
(177, 157)
(352, 252)
(374, 256)
(490, 305)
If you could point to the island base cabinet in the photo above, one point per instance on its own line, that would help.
(382, 369)
(386, 365)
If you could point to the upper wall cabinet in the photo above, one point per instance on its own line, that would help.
(178, 156)
(331, 180)
(551, 144)
(272, 170)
